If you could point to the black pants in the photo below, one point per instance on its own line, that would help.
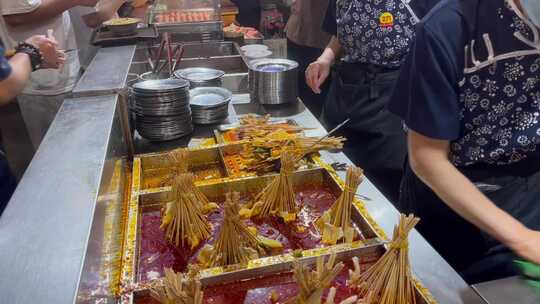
(8, 182)
(376, 140)
(476, 255)
(305, 55)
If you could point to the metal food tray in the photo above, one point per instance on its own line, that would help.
(372, 244)
(104, 37)
(153, 13)
(218, 133)
(155, 170)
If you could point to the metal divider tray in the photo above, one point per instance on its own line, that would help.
(146, 252)
(209, 165)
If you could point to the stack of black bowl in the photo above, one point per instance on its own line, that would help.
(162, 110)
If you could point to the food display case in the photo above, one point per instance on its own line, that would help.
(191, 20)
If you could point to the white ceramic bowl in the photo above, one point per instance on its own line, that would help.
(254, 48)
(258, 54)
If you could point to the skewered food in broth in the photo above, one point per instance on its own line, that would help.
(177, 288)
(312, 283)
(390, 280)
(335, 223)
(253, 126)
(235, 243)
(261, 154)
(277, 198)
(184, 222)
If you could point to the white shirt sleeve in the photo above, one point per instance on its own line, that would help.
(12, 7)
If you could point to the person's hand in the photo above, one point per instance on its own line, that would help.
(93, 20)
(88, 3)
(52, 57)
(316, 74)
(528, 246)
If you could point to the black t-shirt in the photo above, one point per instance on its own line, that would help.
(472, 78)
(249, 12)
(375, 32)
(420, 8)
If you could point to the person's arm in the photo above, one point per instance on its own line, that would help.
(15, 82)
(103, 13)
(332, 52)
(16, 72)
(429, 160)
(47, 10)
(318, 71)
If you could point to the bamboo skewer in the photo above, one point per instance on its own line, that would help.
(176, 288)
(312, 283)
(235, 243)
(184, 222)
(389, 280)
(278, 197)
(335, 223)
(180, 160)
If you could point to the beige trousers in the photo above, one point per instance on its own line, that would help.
(38, 112)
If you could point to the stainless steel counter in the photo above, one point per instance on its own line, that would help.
(45, 229)
(107, 73)
(510, 290)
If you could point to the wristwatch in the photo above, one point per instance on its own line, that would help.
(36, 59)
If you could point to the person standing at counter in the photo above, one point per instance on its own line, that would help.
(305, 42)
(469, 94)
(249, 12)
(372, 39)
(34, 53)
(47, 88)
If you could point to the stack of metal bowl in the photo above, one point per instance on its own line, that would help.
(273, 81)
(162, 110)
(200, 77)
(209, 105)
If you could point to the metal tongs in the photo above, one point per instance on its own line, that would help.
(177, 54)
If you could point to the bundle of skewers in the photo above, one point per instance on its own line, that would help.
(177, 288)
(235, 244)
(312, 283)
(278, 197)
(184, 221)
(336, 223)
(253, 126)
(260, 155)
(389, 280)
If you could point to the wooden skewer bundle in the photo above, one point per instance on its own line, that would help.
(235, 243)
(184, 221)
(312, 283)
(177, 289)
(180, 159)
(278, 197)
(252, 126)
(311, 144)
(336, 224)
(390, 280)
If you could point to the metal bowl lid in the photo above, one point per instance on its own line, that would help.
(209, 96)
(161, 85)
(273, 65)
(199, 74)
